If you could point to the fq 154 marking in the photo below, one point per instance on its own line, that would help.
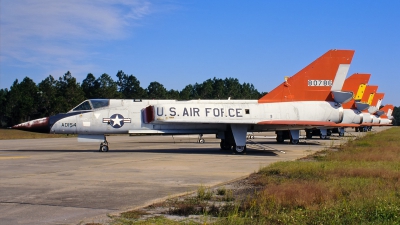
(68, 124)
(200, 112)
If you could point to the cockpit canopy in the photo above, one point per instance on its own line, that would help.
(91, 104)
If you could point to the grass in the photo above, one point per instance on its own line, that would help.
(357, 183)
(8, 134)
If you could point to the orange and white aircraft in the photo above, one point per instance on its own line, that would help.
(311, 98)
(352, 116)
(385, 114)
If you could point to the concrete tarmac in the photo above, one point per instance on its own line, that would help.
(61, 181)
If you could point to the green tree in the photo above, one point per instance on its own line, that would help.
(107, 87)
(156, 90)
(48, 99)
(232, 87)
(3, 106)
(396, 115)
(188, 93)
(22, 101)
(173, 94)
(205, 90)
(219, 91)
(69, 92)
(249, 92)
(129, 86)
(90, 86)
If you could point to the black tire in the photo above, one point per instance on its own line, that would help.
(294, 141)
(280, 139)
(103, 148)
(239, 151)
(224, 145)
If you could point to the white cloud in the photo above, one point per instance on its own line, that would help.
(51, 33)
(79, 19)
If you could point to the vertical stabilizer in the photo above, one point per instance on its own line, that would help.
(376, 102)
(369, 94)
(316, 81)
(388, 110)
(356, 83)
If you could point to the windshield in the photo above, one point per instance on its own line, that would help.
(83, 106)
(98, 103)
(92, 104)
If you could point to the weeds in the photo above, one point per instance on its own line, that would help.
(133, 214)
(221, 191)
(204, 193)
(357, 184)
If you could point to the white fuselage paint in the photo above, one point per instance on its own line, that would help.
(386, 121)
(195, 116)
(352, 116)
(367, 118)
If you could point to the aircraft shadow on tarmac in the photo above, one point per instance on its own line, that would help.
(188, 151)
(302, 142)
(203, 151)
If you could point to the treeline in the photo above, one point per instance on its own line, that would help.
(27, 100)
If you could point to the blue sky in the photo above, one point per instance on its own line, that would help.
(183, 42)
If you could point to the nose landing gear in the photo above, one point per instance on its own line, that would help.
(104, 145)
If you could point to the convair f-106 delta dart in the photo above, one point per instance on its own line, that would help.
(312, 98)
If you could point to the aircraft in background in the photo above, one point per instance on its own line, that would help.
(386, 117)
(312, 98)
(356, 84)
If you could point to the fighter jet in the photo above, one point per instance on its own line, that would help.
(352, 116)
(311, 98)
(386, 117)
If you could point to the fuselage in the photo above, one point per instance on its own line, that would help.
(120, 116)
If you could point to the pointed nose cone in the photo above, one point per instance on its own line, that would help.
(39, 125)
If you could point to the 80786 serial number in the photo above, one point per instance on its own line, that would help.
(320, 82)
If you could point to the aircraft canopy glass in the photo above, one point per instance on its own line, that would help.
(92, 104)
(83, 106)
(99, 103)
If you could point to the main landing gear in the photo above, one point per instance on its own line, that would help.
(235, 149)
(201, 139)
(104, 145)
(234, 138)
(292, 135)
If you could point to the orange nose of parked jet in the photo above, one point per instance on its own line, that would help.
(39, 125)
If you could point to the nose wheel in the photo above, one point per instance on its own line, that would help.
(104, 146)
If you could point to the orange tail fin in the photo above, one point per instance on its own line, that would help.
(315, 81)
(388, 110)
(369, 94)
(377, 100)
(356, 83)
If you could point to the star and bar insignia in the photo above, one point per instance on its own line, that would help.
(116, 120)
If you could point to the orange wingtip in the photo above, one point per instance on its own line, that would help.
(356, 83)
(312, 83)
